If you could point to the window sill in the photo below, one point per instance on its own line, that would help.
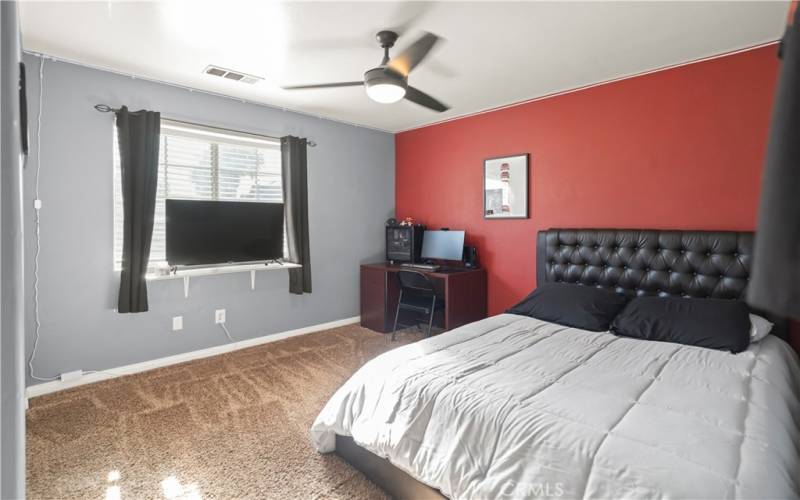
(210, 271)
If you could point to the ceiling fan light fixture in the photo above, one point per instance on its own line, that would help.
(386, 93)
(388, 82)
(384, 86)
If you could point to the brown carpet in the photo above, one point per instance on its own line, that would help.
(230, 426)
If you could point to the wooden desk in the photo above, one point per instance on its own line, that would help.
(464, 295)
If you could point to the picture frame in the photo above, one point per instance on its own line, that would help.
(506, 185)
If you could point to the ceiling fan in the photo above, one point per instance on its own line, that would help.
(388, 82)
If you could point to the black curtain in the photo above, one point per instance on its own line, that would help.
(775, 285)
(138, 136)
(295, 199)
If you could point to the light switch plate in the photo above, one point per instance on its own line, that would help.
(177, 323)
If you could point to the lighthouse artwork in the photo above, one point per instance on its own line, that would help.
(505, 187)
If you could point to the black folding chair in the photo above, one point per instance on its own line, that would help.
(417, 294)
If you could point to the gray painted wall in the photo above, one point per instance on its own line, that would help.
(12, 388)
(351, 193)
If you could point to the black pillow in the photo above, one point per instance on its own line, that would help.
(580, 306)
(712, 323)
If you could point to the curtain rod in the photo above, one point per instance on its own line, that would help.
(105, 108)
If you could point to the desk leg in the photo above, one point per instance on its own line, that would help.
(465, 297)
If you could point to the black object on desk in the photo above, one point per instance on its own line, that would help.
(404, 243)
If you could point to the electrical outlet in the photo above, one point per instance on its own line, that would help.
(177, 323)
(219, 316)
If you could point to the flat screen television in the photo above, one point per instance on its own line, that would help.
(221, 232)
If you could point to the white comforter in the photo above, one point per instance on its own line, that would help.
(516, 407)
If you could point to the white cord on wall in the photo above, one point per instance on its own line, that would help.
(227, 333)
(37, 214)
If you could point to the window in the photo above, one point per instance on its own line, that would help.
(204, 163)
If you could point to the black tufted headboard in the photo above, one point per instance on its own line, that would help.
(662, 263)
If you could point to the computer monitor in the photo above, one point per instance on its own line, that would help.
(443, 245)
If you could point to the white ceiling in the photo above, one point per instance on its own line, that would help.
(495, 53)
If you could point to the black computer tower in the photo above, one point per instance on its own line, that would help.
(404, 243)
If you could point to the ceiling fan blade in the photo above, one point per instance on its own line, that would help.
(323, 85)
(423, 99)
(408, 14)
(408, 59)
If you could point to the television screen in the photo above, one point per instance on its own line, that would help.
(219, 232)
(444, 245)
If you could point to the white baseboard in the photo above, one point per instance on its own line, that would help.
(91, 377)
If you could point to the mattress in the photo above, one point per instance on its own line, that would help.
(516, 407)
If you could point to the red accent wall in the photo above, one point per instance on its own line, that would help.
(681, 148)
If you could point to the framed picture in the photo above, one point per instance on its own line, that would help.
(505, 187)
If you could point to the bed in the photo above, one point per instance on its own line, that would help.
(517, 407)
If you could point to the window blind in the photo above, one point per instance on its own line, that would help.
(204, 163)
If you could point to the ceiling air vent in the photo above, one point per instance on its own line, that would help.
(232, 75)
